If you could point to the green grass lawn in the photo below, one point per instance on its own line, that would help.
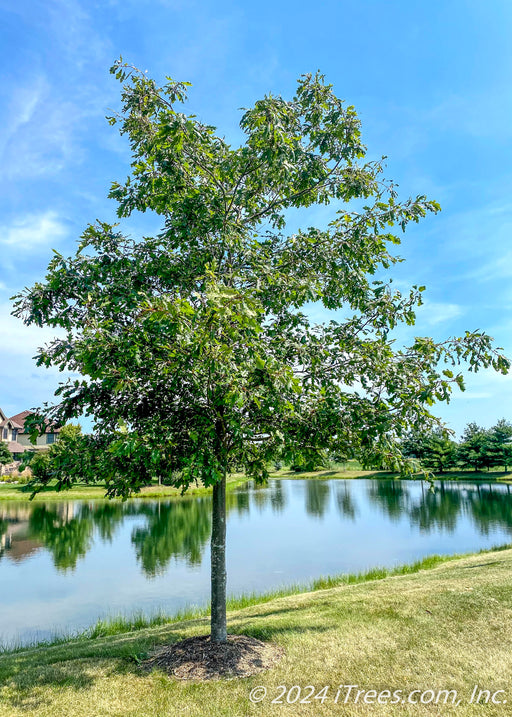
(12, 491)
(447, 627)
(81, 491)
(354, 471)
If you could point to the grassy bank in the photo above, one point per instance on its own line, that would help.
(440, 628)
(82, 491)
(348, 473)
(13, 491)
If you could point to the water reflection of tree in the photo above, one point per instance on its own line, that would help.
(438, 509)
(4, 525)
(260, 496)
(277, 497)
(174, 530)
(490, 508)
(181, 529)
(345, 502)
(67, 536)
(107, 517)
(317, 497)
(238, 501)
(391, 496)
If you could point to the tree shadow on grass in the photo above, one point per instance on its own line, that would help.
(24, 688)
(77, 665)
(271, 622)
(478, 565)
(271, 632)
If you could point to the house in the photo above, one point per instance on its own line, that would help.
(9, 430)
(12, 432)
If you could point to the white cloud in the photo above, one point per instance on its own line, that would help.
(33, 232)
(43, 124)
(24, 385)
(19, 340)
(498, 268)
(471, 395)
(37, 138)
(433, 313)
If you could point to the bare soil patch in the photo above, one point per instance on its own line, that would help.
(198, 659)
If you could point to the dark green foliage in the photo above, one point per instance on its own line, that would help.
(486, 448)
(479, 448)
(434, 451)
(5, 454)
(500, 444)
(41, 467)
(26, 458)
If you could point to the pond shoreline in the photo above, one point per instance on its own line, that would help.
(450, 476)
(445, 617)
(151, 556)
(127, 624)
(19, 492)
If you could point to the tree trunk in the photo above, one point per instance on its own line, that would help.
(218, 562)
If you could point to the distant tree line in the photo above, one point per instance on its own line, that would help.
(479, 448)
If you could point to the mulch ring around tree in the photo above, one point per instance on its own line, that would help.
(197, 658)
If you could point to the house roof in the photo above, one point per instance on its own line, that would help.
(15, 447)
(9, 423)
(3, 419)
(20, 419)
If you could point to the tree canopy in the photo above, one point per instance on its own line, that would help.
(195, 349)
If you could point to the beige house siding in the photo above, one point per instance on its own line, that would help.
(41, 442)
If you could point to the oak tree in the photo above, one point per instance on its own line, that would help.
(195, 348)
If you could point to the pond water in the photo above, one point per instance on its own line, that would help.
(63, 565)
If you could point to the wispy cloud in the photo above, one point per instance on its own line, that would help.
(24, 385)
(73, 29)
(433, 312)
(38, 135)
(20, 340)
(33, 232)
(499, 267)
(48, 104)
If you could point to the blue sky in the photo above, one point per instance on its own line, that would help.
(430, 81)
